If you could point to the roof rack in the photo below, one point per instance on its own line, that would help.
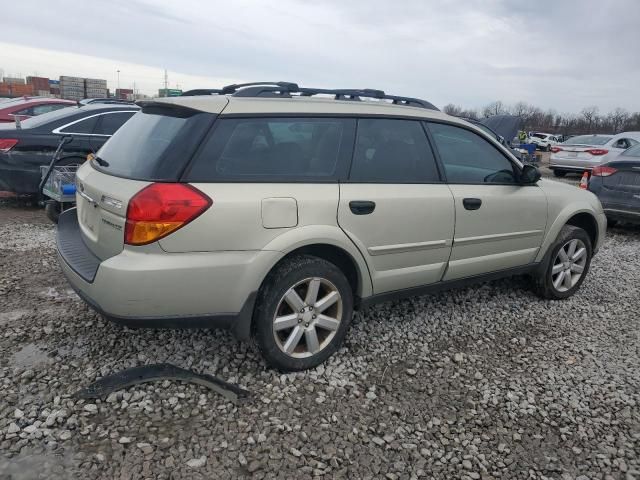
(290, 90)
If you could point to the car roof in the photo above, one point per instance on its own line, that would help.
(228, 104)
(634, 135)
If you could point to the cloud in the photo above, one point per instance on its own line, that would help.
(552, 54)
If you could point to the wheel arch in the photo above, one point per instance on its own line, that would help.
(578, 217)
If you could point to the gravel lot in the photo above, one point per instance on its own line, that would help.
(485, 382)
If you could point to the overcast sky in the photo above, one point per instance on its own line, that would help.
(563, 55)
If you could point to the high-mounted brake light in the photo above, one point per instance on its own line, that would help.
(160, 209)
(603, 171)
(7, 144)
(597, 151)
(556, 149)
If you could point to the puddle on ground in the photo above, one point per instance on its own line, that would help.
(8, 317)
(33, 355)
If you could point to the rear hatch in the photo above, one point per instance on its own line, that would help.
(155, 145)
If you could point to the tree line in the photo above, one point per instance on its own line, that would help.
(589, 120)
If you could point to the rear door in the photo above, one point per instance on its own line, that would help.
(395, 207)
(500, 224)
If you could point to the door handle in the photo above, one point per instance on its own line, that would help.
(362, 207)
(472, 203)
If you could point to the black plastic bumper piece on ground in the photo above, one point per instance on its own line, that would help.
(72, 248)
(159, 372)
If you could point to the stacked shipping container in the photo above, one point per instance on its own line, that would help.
(95, 88)
(72, 88)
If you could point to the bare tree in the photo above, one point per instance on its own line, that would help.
(590, 116)
(451, 109)
(494, 108)
(617, 119)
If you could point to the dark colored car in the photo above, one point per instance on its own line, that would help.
(27, 107)
(617, 185)
(24, 149)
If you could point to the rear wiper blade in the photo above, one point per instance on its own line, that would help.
(100, 161)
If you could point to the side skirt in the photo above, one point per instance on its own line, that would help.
(450, 284)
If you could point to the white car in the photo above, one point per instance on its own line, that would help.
(544, 141)
(582, 153)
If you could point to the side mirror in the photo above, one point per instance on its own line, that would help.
(530, 175)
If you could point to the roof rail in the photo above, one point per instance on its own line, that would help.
(201, 91)
(290, 90)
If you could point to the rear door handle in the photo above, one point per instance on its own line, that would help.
(362, 207)
(472, 203)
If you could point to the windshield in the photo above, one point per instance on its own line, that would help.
(632, 152)
(588, 140)
(153, 146)
(539, 135)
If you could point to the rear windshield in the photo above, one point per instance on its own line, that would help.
(633, 151)
(154, 145)
(588, 140)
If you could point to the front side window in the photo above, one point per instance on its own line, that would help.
(392, 151)
(273, 149)
(48, 107)
(469, 158)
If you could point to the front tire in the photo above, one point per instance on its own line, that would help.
(302, 314)
(567, 264)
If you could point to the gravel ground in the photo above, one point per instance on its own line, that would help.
(485, 382)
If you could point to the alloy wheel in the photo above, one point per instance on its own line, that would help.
(307, 317)
(569, 264)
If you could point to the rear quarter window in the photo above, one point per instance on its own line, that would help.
(154, 146)
(274, 149)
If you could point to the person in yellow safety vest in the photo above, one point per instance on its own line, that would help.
(522, 136)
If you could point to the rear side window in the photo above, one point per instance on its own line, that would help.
(110, 122)
(85, 127)
(392, 151)
(274, 149)
(154, 146)
(469, 158)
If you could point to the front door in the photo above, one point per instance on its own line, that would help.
(394, 206)
(500, 224)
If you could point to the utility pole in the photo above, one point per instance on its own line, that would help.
(118, 71)
(166, 83)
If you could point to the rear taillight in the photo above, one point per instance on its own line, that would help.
(7, 144)
(603, 171)
(597, 151)
(556, 149)
(161, 208)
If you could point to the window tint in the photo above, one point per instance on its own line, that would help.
(110, 122)
(86, 126)
(46, 108)
(469, 158)
(25, 111)
(272, 149)
(392, 151)
(153, 146)
(588, 140)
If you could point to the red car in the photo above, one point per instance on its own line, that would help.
(25, 107)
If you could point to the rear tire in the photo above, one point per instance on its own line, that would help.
(559, 173)
(292, 339)
(567, 264)
(53, 210)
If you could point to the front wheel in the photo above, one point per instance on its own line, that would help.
(567, 264)
(302, 314)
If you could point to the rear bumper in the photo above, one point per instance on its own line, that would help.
(571, 165)
(18, 179)
(165, 290)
